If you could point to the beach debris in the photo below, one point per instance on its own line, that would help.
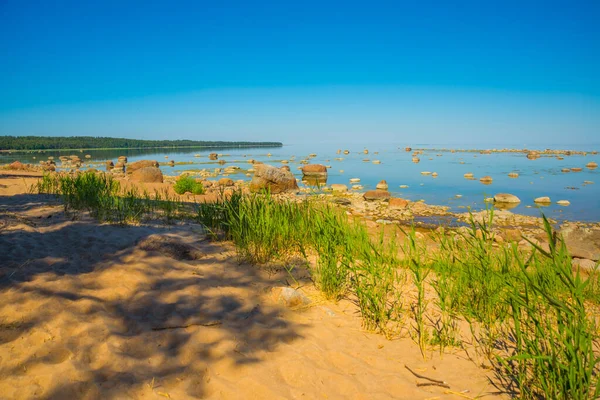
(432, 381)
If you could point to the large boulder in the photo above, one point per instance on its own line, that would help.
(273, 179)
(134, 166)
(147, 175)
(314, 170)
(582, 242)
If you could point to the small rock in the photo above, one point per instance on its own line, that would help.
(486, 180)
(542, 200)
(591, 165)
(382, 185)
(403, 186)
(289, 297)
(342, 201)
(563, 202)
(376, 195)
(506, 198)
(338, 187)
(468, 175)
(398, 203)
(425, 173)
(225, 182)
(585, 265)
(513, 175)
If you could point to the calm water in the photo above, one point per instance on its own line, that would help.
(541, 177)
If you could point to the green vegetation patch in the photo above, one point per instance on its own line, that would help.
(186, 184)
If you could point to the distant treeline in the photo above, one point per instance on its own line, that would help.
(88, 142)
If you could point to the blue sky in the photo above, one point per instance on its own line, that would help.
(442, 72)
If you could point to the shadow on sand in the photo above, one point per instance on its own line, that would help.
(110, 320)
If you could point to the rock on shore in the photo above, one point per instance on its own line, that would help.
(275, 180)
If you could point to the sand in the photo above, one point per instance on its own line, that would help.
(92, 311)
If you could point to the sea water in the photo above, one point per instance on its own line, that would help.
(540, 177)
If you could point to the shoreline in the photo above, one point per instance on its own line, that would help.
(141, 148)
(419, 213)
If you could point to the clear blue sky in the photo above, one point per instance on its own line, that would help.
(436, 71)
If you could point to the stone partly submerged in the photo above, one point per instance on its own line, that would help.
(382, 185)
(273, 179)
(591, 165)
(582, 242)
(542, 200)
(506, 198)
(316, 170)
(147, 175)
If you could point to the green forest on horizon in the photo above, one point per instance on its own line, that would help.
(90, 142)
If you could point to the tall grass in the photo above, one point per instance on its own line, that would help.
(106, 200)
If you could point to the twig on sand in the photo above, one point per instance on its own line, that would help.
(163, 328)
(433, 381)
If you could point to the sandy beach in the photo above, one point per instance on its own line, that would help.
(95, 311)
